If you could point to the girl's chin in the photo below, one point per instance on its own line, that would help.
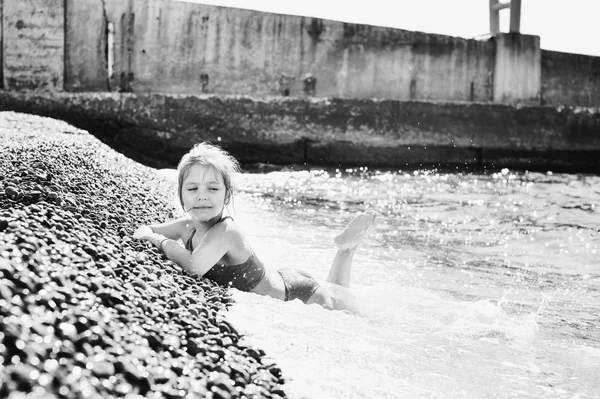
(202, 217)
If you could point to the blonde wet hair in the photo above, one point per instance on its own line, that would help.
(209, 155)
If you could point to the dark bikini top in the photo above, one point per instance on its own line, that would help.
(244, 276)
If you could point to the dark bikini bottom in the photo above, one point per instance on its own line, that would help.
(298, 284)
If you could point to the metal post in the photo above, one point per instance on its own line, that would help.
(495, 7)
(494, 18)
(515, 16)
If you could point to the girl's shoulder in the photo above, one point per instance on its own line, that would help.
(238, 245)
(228, 227)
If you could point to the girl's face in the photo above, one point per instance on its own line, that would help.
(203, 193)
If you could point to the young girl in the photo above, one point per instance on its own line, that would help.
(216, 248)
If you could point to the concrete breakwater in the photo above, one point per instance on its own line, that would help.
(85, 311)
(157, 129)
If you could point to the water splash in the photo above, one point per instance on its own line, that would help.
(477, 285)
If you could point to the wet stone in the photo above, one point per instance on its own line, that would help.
(7, 288)
(103, 368)
(90, 250)
(14, 225)
(154, 341)
(174, 303)
(172, 341)
(123, 388)
(110, 297)
(82, 324)
(140, 283)
(35, 194)
(162, 374)
(253, 353)
(139, 352)
(141, 257)
(276, 371)
(68, 330)
(195, 347)
(11, 192)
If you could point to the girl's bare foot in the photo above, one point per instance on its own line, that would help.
(357, 229)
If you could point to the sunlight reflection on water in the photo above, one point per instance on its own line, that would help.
(475, 286)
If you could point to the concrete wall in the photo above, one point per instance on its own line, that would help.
(517, 68)
(570, 79)
(178, 47)
(33, 44)
(2, 83)
(396, 64)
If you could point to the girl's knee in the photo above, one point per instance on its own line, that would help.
(324, 297)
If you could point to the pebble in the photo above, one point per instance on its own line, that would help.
(141, 257)
(3, 225)
(172, 341)
(6, 289)
(103, 369)
(140, 283)
(11, 192)
(87, 308)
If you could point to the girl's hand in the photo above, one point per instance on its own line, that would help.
(146, 233)
(142, 231)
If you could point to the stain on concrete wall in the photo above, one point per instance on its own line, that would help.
(2, 84)
(33, 44)
(572, 79)
(93, 29)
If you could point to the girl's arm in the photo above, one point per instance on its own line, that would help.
(215, 243)
(172, 229)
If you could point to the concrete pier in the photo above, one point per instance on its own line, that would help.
(157, 129)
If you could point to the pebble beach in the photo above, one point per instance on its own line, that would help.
(85, 310)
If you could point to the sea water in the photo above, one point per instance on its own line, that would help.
(476, 285)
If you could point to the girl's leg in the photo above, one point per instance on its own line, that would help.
(347, 242)
(339, 273)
